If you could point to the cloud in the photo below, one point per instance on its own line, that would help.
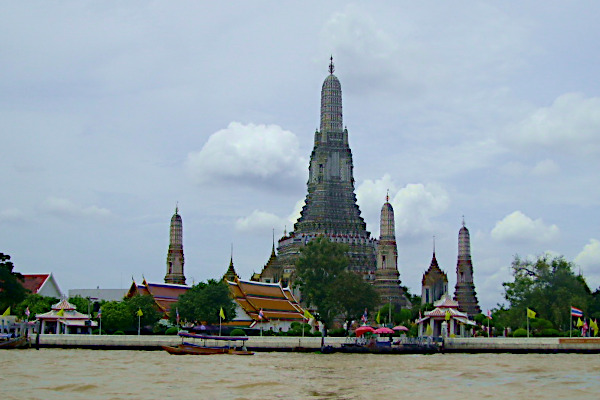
(370, 196)
(264, 154)
(258, 220)
(415, 206)
(589, 260)
(571, 123)
(10, 215)
(518, 227)
(66, 208)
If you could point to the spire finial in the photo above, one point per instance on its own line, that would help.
(331, 67)
(231, 260)
(176, 207)
(434, 245)
(387, 196)
(463, 221)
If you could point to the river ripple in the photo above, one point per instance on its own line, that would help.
(97, 374)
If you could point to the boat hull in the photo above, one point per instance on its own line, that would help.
(183, 349)
(16, 343)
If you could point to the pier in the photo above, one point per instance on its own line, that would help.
(311, 344)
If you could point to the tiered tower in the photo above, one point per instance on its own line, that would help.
(330, 207)
(387, 278)
(175, 259)
(465, 288)
(434, 283)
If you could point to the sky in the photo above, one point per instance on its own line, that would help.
(112, 113)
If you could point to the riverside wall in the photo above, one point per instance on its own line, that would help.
(279, 343)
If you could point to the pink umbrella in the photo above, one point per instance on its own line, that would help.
(400, 328)
(361, 330)
(383, 331)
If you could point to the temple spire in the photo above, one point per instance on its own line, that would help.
(331, 66)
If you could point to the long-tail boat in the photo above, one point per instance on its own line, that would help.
(209, 344)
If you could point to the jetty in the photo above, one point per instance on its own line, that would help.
(312, 344)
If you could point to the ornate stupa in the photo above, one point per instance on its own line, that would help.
(465, 288)
(434, 283)
(175, 259)
(387, 277)
(330, 208)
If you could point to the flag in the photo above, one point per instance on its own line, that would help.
(579, 323)
(177, 315)
(261, 315)
(307, 315)
(222, 313)
(378, 317)
(447, 316)
(27, 312)
(530, 313)
(364, 317)
(489, 314)
(429, 331)
(7, 312)
(594, 326)
(139, 312)
(99, 313)
(576, 312)
(61, 312)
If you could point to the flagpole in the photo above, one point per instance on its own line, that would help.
(528, 324)
(139, 323)
(100, 328)
(571, 326)
(219, 324)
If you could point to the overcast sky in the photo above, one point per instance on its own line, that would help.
(112, 112)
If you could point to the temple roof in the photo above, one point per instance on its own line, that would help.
(434, 272)
(276, 302)
(67, 310)
(164, 294)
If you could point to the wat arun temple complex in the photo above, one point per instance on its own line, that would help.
(331, 211)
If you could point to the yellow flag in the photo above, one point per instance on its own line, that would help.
(308, 315)
(579, 323)
(222, 313)
(61, 312)
(7, 312)
(139, 312)
(447, 316)
(378, 317)
(530, 313)
(429, 331)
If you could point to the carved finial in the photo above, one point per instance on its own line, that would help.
(176, 207)
(434, 245)
(331, 67)
(387, 196)
(463, 221)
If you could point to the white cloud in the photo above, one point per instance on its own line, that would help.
(258, 220)
(370, 196)
(415, 206)
(66, 208)
(545, 168)
(243, 153)
(518, 227)
(571, 123)
(11, 215)
(589, 260)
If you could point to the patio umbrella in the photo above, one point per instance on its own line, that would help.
(400, 328)
(361, 330)
(383, 331)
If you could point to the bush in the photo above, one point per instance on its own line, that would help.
(520, 333)
(237, 332)
(340, 332)
(549, 333)
(172, 331)
(119, 333)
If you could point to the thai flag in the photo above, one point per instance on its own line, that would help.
(260, 314)
(489, 315)
(100, 312)
(27, 312)
(364, 317)
(576, 312)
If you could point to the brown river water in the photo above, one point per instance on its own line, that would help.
(96, 374)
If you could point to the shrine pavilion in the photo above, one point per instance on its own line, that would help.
(446, 320)
(63, 318)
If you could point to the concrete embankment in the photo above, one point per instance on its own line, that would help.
(522, 345)
(278, 343)
(143, 342)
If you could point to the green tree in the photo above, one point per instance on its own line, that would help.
(12, 291)
(117, 316)
(319, 266)
(150, 314)
(352, 295)
(547, 285)
(83, 305)
(37, 305)
(203, 302)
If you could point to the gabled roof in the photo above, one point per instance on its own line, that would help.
(164, 294)
(276, 303)
(34, 282)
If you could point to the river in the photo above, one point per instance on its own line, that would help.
(96, 374)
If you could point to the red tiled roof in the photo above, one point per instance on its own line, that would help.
(33, 282)
(164, 294)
